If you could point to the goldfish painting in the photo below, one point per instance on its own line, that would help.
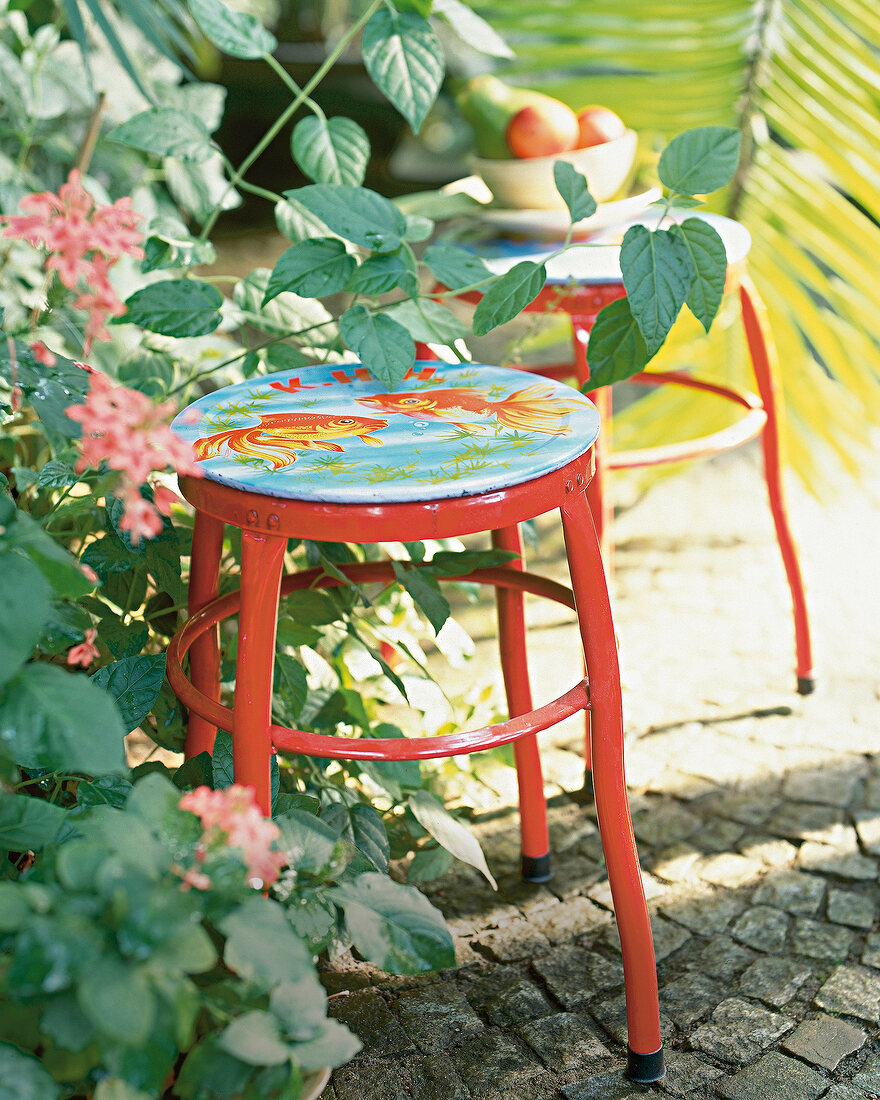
(534, 409)
(278, 436)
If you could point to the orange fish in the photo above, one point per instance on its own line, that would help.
(534, 409)
(278, 436)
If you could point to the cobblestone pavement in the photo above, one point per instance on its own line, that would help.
(757, 815)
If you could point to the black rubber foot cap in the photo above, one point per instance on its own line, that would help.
(806, 685)
(536, 868)
(645, 1068)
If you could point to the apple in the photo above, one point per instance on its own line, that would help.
(597, 125)
(542, 129)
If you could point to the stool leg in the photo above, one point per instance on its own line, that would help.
(762, 355)
(204, 655)
(514, 666)
(262, 559)
(612, 808)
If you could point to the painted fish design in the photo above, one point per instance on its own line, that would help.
(278, 436)
(534, 409)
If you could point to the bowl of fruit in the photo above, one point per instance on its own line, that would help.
(520, 134)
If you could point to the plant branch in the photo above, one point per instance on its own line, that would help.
(90, 138)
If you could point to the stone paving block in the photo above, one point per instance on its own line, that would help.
(600, 892)
(852, 909)
(745, 808)
(818, 940)
(668, 937)
(522, 1000)
(610, 1015)
(573, 975)
(772, 851)
(664, 823)
(844, 1091)
(774, 980)
(729, 869)
(678, 863)
(721, 958)
(493, 1062)
(824, 1041)
(868, 1076)
(369, 1017)
(802, 820)
(687, 1072)
(370, 1081)
(868, 828)
(574, 917)
(793, 891)
(739, 1031)
(433, 1077)
(563, 1041)
(574, 874)
(871, 953)
(689, 997)
(763, 928)
(718, 835)
(708, 914)
(833, 786)
(613, 1085)
(513, 939)
(773, 1076)
(438, 1016)
(829, 860)
(851, 991)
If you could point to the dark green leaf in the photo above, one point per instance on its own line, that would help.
(331, 150)
(428, 321)
(617, 349)
(52, 719)
(457, 563)
(109, 554)
(58, 567)
(334, 1045)
(27, 823)
(360, 216)
(24, 608)
(456, 838)
(394, 926)
(709, 263)
(222, 761)
(405, 61)
(163, 563)
(426, 594)
(291, 633)
(370, 836)
(572, 186)
(170, 244)
(384, 347)
(418, 228)
(208, 1071)
(57, 475)
(657, 274)
(165, 131)
(429, 863)
(255, 1039)
(310, 843)
(175, 307)
(300, 1007)
(123, 640)
(134, 683)
(195, 772)
(508, 295)
(455, 267)
(107, 790)
(310, 607)
(700, 160)
(386, 271)
(23, 1077)
(312, 269)
(314, 920)
(233, 32)
(262, 947)
(291, 685)
(118, 1000)
(285, 357)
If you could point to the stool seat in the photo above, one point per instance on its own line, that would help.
(335, 434)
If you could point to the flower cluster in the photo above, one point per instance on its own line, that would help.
(232, 818)
(84, 653)
(123, 428)
(85, 239)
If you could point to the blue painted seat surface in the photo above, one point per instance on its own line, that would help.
(332, 433)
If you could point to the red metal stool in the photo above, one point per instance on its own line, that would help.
(265, 449)
(579, 283)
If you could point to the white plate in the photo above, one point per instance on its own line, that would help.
(554, 223)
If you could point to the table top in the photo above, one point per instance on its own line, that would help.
(597, 260)
(332, 433)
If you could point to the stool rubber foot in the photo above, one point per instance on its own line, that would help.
(536, 868)
(806, 685)
(645, 1068)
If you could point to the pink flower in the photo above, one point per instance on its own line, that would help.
(42, 354)
(90, 575)
(232, 818)
(84, 653)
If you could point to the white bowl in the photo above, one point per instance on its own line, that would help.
(528, 184)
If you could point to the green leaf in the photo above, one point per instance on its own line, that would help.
(405, 61)
(221, 760)
(310, 843)
(360, 216)
(58, 567)
(208, 1071)
(386, 271)
(255, 1039)
(455, 267)
(174, 307)
(370, 836)
(57, 475)
(455, 837)
(109, 555)
(508, 295)
(472, 28)
(107, 790)
(15, 912)
(135, 683)
(457, 563)
(300, 1007)
(314, 920)
(394, 926)
(331, 150)
(53, 719)
(165, 132)
(333, 1046)
(700, 160)
(24, 608)
(310, 607)
(163, 563)
(118, 1000)
(657, 275)
(114, 1088)
(418, 228)
(27, 823)
(709, 263)
(123, 640)
(22, 1077)
(170, 244)
(428, 321)
(572, 186)
(262, 947)
(429, 863)
(384, 347)
(233, 32)
(313, 269)
(616, 349)
(426, 594)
